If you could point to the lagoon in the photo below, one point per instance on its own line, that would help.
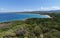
(16, 16)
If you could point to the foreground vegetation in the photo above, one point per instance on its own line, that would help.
(32, 28)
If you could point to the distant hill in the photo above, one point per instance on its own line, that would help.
(42, 12)
(55, 11)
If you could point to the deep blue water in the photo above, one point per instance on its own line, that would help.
(14, 16)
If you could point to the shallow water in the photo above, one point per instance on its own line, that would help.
(15, 16)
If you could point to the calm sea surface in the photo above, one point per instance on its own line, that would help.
(14, 16)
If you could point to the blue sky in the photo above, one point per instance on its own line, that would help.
(28, 5)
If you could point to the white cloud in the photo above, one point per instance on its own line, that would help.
(2, 9)
(35, 9)
(43, 8)
(55, 8)
(50, 8)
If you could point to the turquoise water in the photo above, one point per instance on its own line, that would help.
(14, 16)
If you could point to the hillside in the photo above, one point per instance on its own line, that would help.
(32, 28)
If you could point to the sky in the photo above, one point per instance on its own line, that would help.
(28, 5)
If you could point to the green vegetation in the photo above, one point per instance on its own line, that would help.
(32, 28)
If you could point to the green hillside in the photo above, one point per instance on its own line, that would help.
(32, 28)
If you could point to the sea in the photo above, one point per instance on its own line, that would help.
(5, 17)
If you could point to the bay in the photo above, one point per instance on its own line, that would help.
(16, 16)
